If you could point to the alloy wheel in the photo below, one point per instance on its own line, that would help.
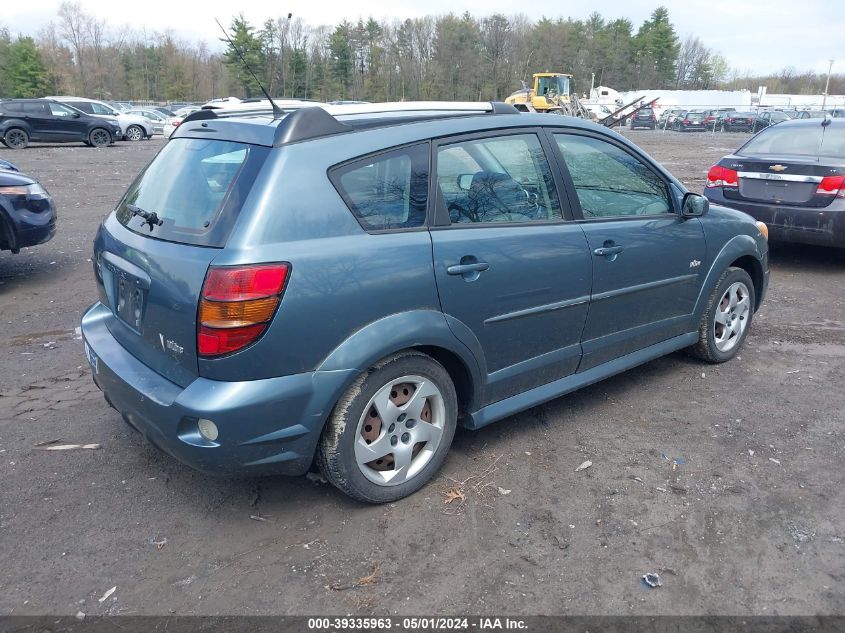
(731, 316)
(400, 430)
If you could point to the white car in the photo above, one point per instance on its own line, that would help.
(159, 119)
(598, 111)
(183, 112)
(132, 126)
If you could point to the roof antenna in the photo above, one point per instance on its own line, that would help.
(277, 111)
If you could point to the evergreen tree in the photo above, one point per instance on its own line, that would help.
(249, 44)
(341, 59)
(5, 42)
(25, 72)
(656, 47)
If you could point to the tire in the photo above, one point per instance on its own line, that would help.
(134, 133)
(16, 138)
(725, 324)
(357, 429)
(99, 137)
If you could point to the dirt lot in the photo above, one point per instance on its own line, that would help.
(726, 480)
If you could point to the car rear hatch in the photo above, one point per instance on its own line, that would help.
(153, 253)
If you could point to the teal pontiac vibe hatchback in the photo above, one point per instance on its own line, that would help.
(346, 284)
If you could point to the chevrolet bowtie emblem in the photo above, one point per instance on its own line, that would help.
(777, 167)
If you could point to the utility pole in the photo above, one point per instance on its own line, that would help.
(827, 84)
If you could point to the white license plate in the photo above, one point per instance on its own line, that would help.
(92, 358)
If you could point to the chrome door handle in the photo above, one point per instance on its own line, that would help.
(463, 269)
(607, 251)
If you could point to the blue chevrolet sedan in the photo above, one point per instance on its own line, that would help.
(346, 284)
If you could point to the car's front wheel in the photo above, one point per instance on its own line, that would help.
(725, 323)
(390, 431)
(135, 133)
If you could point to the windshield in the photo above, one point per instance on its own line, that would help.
(798, 140)
(553, 86)
(195, 188)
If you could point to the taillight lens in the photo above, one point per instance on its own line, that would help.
(719, 176)
(832, 186)
(237, 304)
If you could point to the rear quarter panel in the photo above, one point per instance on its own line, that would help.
(342, 278)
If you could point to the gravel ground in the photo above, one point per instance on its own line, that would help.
(727, 480)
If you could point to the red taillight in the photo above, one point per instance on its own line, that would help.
(236, 305)
(832, 186)
(244, 283)
(719, 176)
(686, 121)
(175, 124)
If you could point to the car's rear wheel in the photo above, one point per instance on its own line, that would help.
(134, 133)
(16, 138)
(99, 137)
(390, 431)
(724, 325)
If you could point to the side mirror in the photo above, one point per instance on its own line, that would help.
(74, 115)
(694, 206)
(465, 181)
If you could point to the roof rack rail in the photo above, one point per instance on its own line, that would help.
(317, 120)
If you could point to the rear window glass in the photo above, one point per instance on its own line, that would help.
(801, 140)
(10, 106)
(195, 188)
(386, 191)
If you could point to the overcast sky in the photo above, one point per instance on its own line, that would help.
(754, 35)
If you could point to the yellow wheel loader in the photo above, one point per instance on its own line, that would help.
(551, 93)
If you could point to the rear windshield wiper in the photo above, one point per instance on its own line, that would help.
(150, 217)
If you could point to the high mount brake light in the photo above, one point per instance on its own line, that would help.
(237, 304)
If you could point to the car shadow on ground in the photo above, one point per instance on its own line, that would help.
(803, 258)
(17, 269)
(583, 402)
(285, 497)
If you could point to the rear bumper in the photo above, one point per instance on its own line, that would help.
(266, 426)
(819, 226)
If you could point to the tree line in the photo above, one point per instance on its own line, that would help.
(445, 57)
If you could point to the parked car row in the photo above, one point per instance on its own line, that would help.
(732, 120)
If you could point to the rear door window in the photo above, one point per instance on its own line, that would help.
(36, 108)
(497, 179)
(195, 188)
